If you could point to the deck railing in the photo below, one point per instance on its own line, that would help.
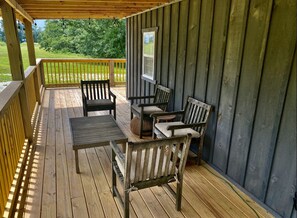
(19, 112)
(69, 72)
(19, 116)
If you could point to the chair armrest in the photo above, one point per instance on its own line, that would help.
(117, 151)
(113, 95)
(152, 104)
(140, 97)
(173, 127)
(160, 114)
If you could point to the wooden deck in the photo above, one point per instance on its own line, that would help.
(55, 190)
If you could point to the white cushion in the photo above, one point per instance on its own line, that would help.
(133, 167)
(147, 110)
(162, 127)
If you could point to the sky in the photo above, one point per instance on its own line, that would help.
(40, 23)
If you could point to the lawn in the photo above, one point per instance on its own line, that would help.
(5, 74)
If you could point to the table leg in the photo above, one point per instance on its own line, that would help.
(76, 161)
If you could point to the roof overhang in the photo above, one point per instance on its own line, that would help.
(82, 9)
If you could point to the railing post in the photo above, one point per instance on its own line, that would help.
(32, 57)
(111, 73)
(41, 68)
(16, 64)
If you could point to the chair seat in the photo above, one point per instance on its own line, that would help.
(146, 110)
(133, 165)
(99, 102)
(162, 127)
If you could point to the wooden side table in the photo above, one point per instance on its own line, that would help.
(166, 118)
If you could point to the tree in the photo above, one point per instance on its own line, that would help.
(96, 38)
(2, 34)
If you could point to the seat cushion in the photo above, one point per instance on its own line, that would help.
(146, 110)
(162, 127)
(133, 165)
(99, 102)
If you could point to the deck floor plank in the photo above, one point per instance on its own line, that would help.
(49, 194)
(56, 190)
(63, 193)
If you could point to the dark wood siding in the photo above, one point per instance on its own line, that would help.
(239, 57)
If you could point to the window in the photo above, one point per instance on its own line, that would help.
(149, 54)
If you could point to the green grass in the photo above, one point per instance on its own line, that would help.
(5, 74)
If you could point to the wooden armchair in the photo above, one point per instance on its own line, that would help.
(96, 96)
(149, 163)
(193, 120)
(144, 110)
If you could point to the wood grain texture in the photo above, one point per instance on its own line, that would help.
(192, 45)
(173, 51)
(231, 72)
(282, 182)
(218, 46)
(203, 53)
(280, 46)
(250, 78)
(181, 54)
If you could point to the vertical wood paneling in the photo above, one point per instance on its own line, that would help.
(281, 44)
(181, 54)
(232, 65)
(165, 46)
(135, 54)
(192, 45)
(207, 7)
(218, 45)
(148, 25)
(159, 60)
(252, 64)
(143, 83)
(283, 175)
(129, 58)
(173, 51)
(236, 56)
(139, 55)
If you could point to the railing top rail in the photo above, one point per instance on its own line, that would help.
(29, 71)
(82, 60)
(8, 94)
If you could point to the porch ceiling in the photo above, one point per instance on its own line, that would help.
(83, 9)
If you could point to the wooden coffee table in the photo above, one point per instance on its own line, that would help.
(96, 131)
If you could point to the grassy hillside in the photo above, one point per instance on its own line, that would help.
(5, 74)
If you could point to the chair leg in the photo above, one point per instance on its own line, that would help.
(114, 182)
(179, 195)
(126, 204)
(115, 113)
(131, 115)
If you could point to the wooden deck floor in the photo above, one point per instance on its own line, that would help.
(56, 190)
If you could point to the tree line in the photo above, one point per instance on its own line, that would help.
(21, 32)
(103, 38)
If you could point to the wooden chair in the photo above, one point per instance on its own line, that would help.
(193, 119)
(149, 163)
(96, 96)
(144, 110)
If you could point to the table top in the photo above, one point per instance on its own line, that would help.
(95, 131)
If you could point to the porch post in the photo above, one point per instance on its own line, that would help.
(32, 57)
(30, 42)
(15, 60)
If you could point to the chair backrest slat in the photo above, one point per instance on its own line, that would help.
(162, 94)
(96, 89)
(196, 112)
(156, 159)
